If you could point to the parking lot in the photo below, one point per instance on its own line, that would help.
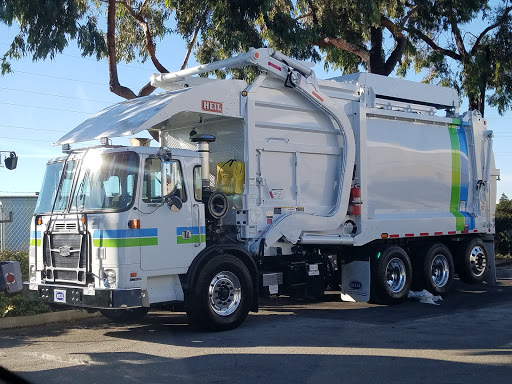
(465, 339)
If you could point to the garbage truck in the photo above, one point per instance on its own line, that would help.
(289, 185)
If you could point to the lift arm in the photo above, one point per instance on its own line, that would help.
(302, 78)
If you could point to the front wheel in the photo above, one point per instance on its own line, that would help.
(391, 276)
(222, 295)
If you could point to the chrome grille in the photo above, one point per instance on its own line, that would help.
(65, 255)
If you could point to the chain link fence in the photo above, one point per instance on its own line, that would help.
(15, 216)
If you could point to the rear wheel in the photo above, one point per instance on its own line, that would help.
(472, 261)
(125, 315)
(222, 295)
(391, 275)
(435, 272)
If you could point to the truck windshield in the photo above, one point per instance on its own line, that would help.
(52, 176)
(105, 182)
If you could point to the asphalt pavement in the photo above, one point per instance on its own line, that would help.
(465, 339)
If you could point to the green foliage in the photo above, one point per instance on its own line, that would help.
(15, 304)
(475, 62)
(504, 226)
(46, 27)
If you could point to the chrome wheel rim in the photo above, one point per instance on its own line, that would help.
(225, 293)
(396, 275)
(478, 261)
(440, 271)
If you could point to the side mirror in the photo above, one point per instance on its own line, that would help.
(11, 162)
(174, 203)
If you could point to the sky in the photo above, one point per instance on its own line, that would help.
(41, 101)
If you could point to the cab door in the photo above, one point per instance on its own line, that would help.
(178, 230)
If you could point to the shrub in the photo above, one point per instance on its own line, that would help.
(15, 304)
(503, 237)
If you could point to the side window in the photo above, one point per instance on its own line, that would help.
(198, 183)
(152, 187)
(174, 179)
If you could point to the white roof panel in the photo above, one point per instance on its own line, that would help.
(122, 119)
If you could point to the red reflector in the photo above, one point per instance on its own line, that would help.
(10, 278)
(409, 235)
(452, 232)
(475, 230)
(464, 232)
(274, 66)
(317, 96)
(423, 234)
(438, 233)
(394, 236)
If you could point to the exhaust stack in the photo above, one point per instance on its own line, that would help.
(203, 147)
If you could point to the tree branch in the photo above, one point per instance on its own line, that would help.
(454, 55)
(193, 40)
(147, 34)
(500, 21)
(400, 39)
(410, 13)
(313, 11)
(303, 16)
(357, 50)
(146, 90)
(115, 87)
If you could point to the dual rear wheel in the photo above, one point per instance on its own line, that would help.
(393, 274)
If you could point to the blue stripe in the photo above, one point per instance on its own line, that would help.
(464, 175)
(124, 233)
(34, 234)
(193, 230)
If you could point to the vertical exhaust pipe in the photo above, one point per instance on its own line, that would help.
(203, 147)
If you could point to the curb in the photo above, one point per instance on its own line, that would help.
(45, 318)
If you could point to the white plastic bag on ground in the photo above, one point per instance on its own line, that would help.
(425, 297)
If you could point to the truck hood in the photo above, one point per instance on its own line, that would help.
(133, 116)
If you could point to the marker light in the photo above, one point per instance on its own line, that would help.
(134, 224)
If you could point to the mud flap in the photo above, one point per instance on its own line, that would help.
(355, 281)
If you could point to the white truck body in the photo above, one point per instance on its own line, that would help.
(425, 175)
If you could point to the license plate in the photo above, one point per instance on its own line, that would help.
(59, 296)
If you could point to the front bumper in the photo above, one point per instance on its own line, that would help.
(84, 297)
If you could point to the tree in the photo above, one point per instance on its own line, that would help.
(46, 27)
(445, 37)
(350, 34)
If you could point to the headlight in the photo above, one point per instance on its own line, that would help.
(32, 273)
(109, 278)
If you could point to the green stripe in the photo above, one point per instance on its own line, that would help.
(193, 239)
(33, 242)
(455, 195)
(127, 242)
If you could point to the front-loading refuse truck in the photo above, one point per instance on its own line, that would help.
(284, 186)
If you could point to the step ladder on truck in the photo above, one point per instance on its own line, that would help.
(288, 185)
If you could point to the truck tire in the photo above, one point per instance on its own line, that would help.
(222, 294)
(129, 315)
(472, 261)
(391, 276)
(434, 271)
